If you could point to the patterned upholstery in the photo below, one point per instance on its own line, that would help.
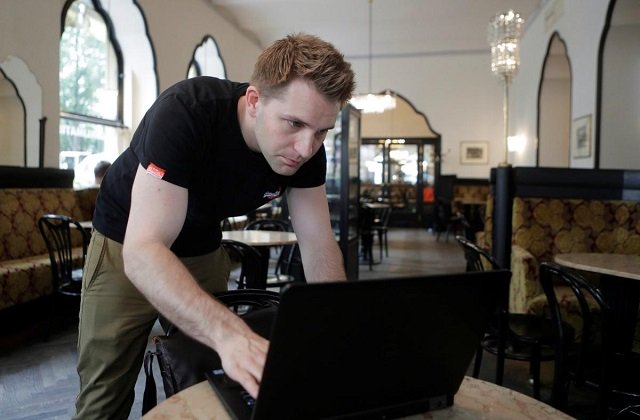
(24, 263)
(470, 193)
(544, 227)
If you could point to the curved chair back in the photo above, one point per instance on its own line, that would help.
(56, 231)
(269, 224)
(552, 275)
(251, 264)
(477, 258)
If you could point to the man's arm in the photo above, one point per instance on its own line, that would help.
(158, 211)
(321, 255)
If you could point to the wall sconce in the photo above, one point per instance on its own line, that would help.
(516, 143)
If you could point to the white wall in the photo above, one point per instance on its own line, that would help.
(456, 91)
(458, 94)
(621, 100)
(580, 24)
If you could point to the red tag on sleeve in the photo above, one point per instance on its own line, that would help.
(155, 171)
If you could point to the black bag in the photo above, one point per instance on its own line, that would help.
(183, 360)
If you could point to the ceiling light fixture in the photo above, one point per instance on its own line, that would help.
(373, 102)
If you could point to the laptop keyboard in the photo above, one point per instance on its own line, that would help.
(228, 383)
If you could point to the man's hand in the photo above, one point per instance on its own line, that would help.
(243, 357)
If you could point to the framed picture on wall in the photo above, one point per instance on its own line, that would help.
(581, 137)
(474, 152)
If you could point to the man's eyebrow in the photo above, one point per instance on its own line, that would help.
(301, 121)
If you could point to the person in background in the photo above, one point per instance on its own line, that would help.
(206, 149)
(99, 171)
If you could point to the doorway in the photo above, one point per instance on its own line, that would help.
(403, 173)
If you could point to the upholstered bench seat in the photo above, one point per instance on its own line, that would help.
(25, 279)
(25, 268)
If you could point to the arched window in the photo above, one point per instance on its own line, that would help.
(90, 89)
(206, 60)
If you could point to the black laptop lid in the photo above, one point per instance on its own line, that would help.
(375, 348)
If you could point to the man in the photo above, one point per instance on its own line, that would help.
(207, 149)
(99, 171)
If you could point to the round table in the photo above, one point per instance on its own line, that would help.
(261, 237)
(475, 399)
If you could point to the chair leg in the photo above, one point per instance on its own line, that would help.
(380, 244)
(535, 370)
(500, 359)
(49, 326)
(477, 362)
(386, 244)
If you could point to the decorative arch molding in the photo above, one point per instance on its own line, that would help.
(199, 61)
(131, 28)
(553, 129)
(30, 94)
(403, 121)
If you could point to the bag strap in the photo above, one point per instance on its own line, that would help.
(150, 399)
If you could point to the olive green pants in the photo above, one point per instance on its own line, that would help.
(115, 322)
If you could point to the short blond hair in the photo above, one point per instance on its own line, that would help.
(308, 57)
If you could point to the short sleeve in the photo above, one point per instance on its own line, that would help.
(170, 138)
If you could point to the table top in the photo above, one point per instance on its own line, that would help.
(619, 265)
(261, 237)
(475, 399)
(86, 224)
(376, 205)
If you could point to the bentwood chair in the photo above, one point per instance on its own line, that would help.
(288, 267)
(512, 336)
(252, 271)
(586, 356)
(381, 227)
(66, 257)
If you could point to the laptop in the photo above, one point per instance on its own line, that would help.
(368, 349)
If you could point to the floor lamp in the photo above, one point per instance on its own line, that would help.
(505, 30)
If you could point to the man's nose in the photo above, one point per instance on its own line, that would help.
(304, 145)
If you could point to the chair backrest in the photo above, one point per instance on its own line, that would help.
(269, 224)
(477, 258)
(56, 231)
(553, 275)
(290, 263)
(251, 264)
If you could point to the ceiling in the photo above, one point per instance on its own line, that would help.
(400, 27)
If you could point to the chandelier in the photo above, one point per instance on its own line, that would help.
(504, 32)
(373, 102)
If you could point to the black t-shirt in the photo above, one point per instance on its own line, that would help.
(192, 133)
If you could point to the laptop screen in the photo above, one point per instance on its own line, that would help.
(375, 348)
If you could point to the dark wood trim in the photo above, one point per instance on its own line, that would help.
(19, 177)
(24, 119)
(598, 117)
(193, 56)
(151, 45)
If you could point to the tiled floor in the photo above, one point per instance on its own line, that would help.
(38, 380)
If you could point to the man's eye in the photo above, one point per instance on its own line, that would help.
(294, 124)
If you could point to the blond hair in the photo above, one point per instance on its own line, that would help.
(308, 57)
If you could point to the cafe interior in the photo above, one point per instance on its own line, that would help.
(503, 133)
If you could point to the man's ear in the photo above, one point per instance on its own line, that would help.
(252, 95)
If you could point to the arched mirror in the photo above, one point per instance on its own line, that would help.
(400, 162)
(554, 106)
(21, 108)
(12, 128)
(618, 130)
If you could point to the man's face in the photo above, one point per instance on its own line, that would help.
(291, 127)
